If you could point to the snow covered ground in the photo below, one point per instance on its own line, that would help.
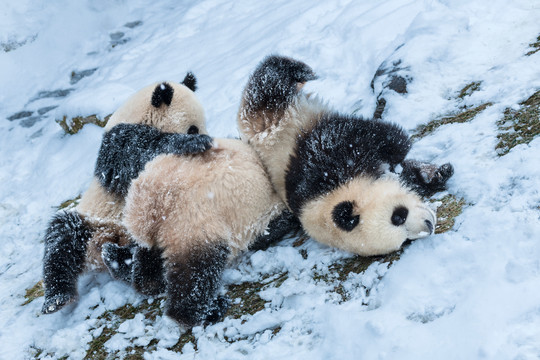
(472, 292)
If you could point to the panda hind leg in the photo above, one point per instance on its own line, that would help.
(193, 280)
(136, 265)
(148, 274)
(64, 258)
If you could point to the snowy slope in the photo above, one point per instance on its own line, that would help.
(469, 293)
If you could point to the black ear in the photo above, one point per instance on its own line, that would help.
(190, 81)
(163, 93)
(343, 216)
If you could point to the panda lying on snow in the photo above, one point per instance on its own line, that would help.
(328, 167)
(196, 212)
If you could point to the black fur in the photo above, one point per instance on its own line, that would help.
(274, 83)
(119, 260)
(399, 216)
(190, 81)
(425, 178)
(148, 271)
(138, 266)
(338, 149)
(126, 149)
(193, 279)
(66, 239)
(343, 216)
(193, 130)
(283, 224)
(163, 93)
(198, 275)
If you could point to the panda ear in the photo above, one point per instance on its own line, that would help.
(163, 93)
(190, 81)
(343, 217)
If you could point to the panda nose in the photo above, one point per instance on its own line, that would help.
(429, 224)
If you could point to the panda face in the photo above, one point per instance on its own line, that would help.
(368, 217)
(169, 106)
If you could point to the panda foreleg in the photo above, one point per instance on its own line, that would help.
(126, 149)
(425, 178)
(193, 280)
(66, 240)
(283, 224)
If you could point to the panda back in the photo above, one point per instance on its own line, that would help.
(221, 195)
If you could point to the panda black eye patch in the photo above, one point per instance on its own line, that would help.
(343, 217)
(399, 216)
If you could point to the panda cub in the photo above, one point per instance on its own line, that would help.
(192, 214)
(329, 167)
(161, 118)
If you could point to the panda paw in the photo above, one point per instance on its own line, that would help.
(183, 144)
(425, 178)
(218, 309)
(54, 303)
(118, 260)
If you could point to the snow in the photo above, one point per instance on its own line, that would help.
(469, 293)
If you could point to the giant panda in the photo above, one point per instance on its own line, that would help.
(190, 215)
(164, 117)
(329, 168)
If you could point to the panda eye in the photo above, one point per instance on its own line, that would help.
(343, 216)
(193, 130)
(399, 216)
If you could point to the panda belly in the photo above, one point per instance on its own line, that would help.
(221, 196)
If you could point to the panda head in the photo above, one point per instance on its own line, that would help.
(368, 217)
(168, 106)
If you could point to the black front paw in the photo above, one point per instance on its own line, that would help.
(425, 178)
(183, 144)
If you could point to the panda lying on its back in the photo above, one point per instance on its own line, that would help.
(328, 167)
(161, 118)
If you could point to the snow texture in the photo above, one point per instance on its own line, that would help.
(470, 293)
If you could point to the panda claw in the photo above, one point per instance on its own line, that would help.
(52, 305)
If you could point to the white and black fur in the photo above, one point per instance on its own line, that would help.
(329, 167)
(188, 237)
(143, 267)
(74, 238)
(126, 148)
